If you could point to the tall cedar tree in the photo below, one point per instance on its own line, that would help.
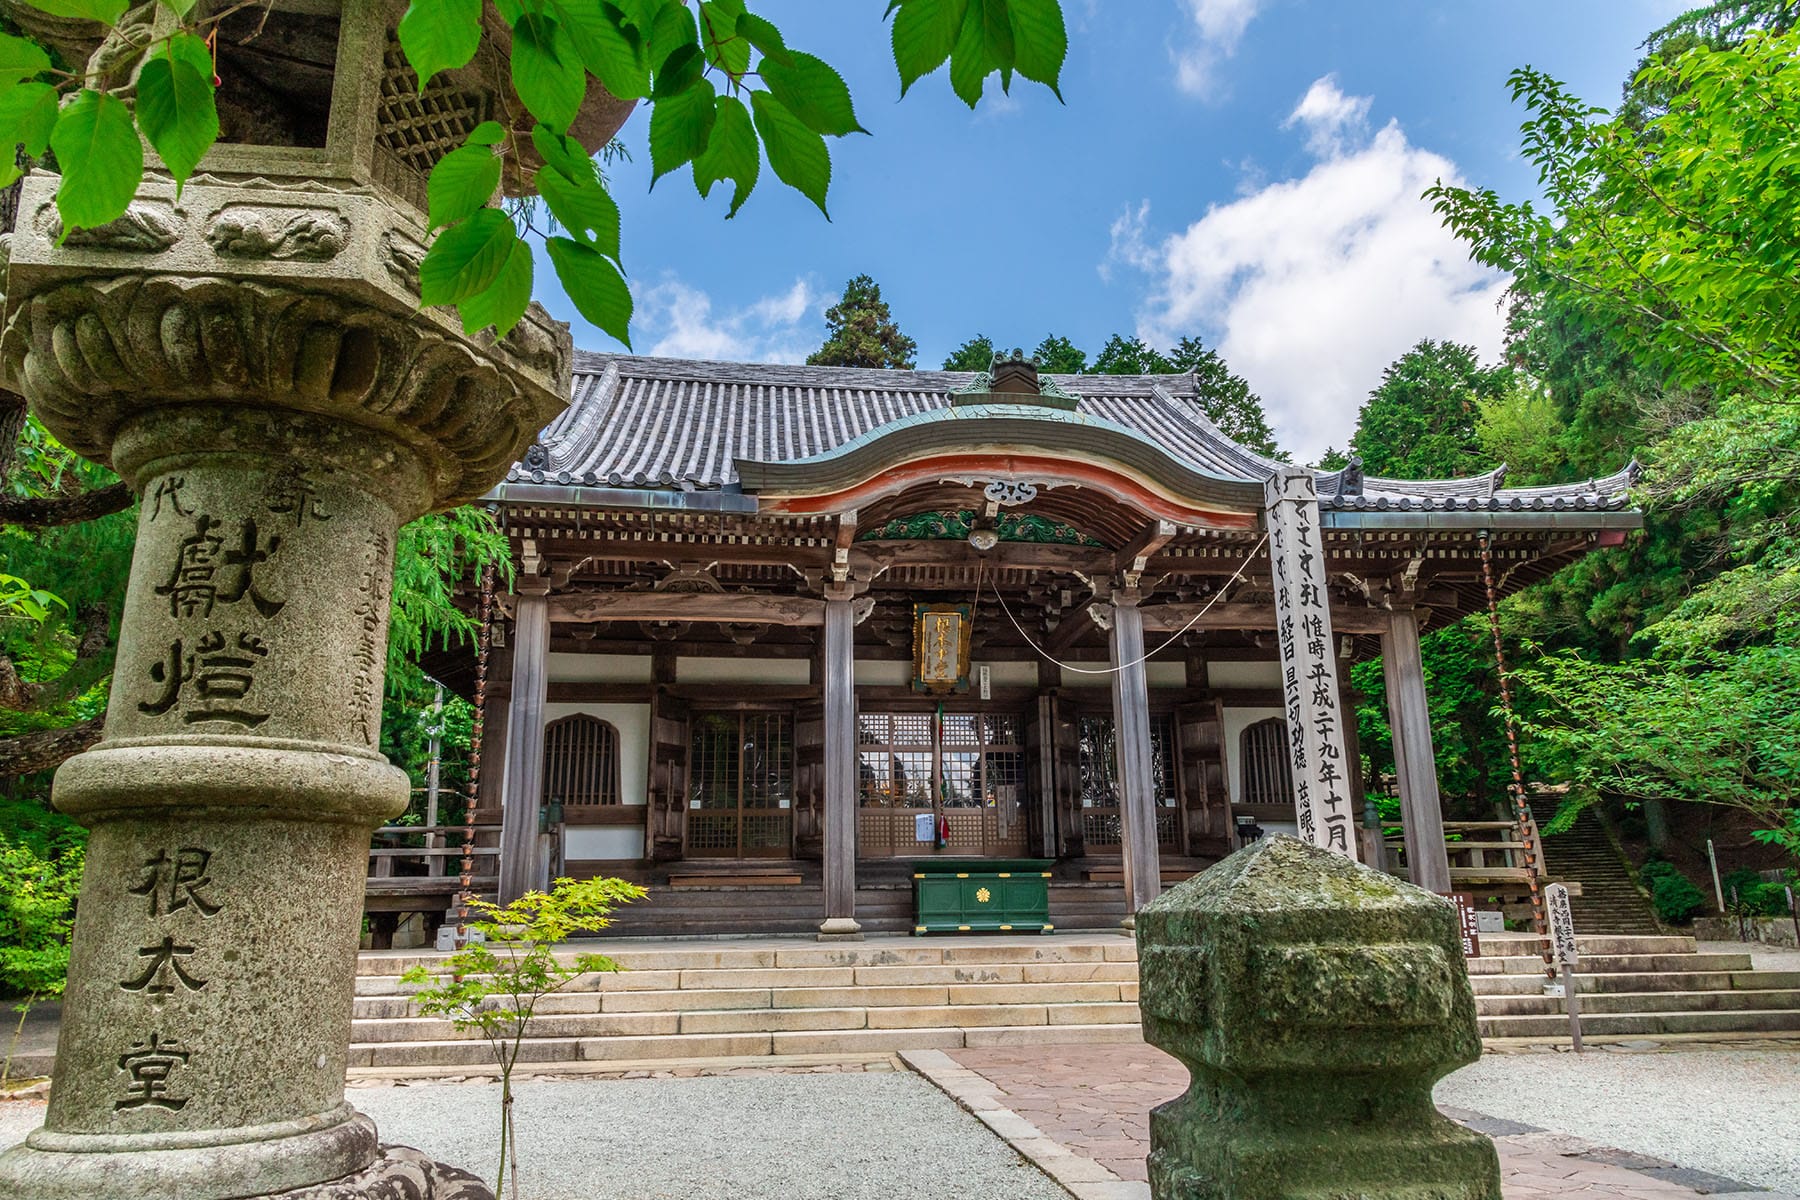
(976, 354)
(861, 332)
(1420, 423)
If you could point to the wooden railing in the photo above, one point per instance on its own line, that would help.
(1479, 852)
(423, 850)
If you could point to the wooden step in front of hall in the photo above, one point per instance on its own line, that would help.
(726, 999)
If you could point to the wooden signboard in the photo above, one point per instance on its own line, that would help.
(941, 635)
(1564, 951)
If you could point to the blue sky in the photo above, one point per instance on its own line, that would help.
(1247, 171)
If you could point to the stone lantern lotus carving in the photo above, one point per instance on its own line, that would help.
(250, 355)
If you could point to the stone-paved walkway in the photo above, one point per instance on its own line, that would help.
(1082, 1114)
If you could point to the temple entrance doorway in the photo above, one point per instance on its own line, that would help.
(741, 792)
(936, 782)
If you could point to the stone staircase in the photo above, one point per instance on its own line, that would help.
(1633, 987)
(1610, 902)
(724, 999)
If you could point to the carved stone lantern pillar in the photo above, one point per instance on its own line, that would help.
(1315, 1002)
(252, 359)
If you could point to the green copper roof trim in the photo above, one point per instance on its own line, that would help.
(1001, 428)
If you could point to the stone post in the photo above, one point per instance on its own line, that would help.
(278, 439)
(1315, 1002)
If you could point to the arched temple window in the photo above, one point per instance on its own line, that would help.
(581, 761)
(1268, 777)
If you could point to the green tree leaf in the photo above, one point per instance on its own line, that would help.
(20, 59)
(969, 66)
(594, 285)
(503, 302)
(994, 19)
(732, 152)
(814, 92)
(679, 128)
(102, 160)
(925, 31)
(672, 28)
(466, 258)
(440, 35)
(726, 49)
(763, 35)
(1040, 40)
(461, 184)
(612, 52)
(107, 12)
(547, 71)
(27, 117)
(680, 71)
(175, 106)
(797, 154)
(583, 208)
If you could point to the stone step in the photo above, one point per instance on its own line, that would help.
(1695, 981)
(626, 1025)
(371, 1058)
(722, 956)
(1615, 964)
(1642, 1002)
(1644, 1024)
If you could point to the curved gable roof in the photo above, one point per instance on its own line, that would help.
(686, 424)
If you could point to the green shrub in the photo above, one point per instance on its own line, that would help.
(37, 914)
(1748, 894)
(1674, 896)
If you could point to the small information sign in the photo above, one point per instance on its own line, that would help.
(1468, 920)
(1562, 926)
(924, 828)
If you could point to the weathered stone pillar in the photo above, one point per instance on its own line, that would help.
(522, 786)
(1315, 1002)
(1131, 738)
(840, 769)
(278, 439)
(1415, 760)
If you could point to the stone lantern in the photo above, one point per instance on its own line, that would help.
(251, 357)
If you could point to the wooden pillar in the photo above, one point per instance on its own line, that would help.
(1131, 734)
(1415, 761)
(523, 781)
(840, 770)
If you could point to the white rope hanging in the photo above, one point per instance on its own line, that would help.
(1148, 655)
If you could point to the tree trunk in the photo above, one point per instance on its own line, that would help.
(34, 512)
(46, 748)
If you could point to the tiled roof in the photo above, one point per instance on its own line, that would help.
(668, 423)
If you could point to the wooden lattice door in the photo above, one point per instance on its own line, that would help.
(741, 795)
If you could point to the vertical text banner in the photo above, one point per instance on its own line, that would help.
(1315, 717)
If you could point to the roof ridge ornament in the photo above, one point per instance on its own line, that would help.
(1012, 378)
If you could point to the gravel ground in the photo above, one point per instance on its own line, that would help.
(853, 1136)
(1728, 1111)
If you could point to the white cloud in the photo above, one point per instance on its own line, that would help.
(677, 320)
(1310, 286)
(1330, 118)
(1217, 28)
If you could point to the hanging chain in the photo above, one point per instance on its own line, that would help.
(1528, 831)
(484, 641)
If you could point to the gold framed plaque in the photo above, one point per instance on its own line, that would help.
(941, 634)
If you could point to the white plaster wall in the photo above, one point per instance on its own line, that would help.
(883, 673)
(1078, 679)
(603, 841)
(599, 668)
(1166, 674)
(1010, 674)
(1236, 721)
(742, 670)
(633, 723)
(1243, 674)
